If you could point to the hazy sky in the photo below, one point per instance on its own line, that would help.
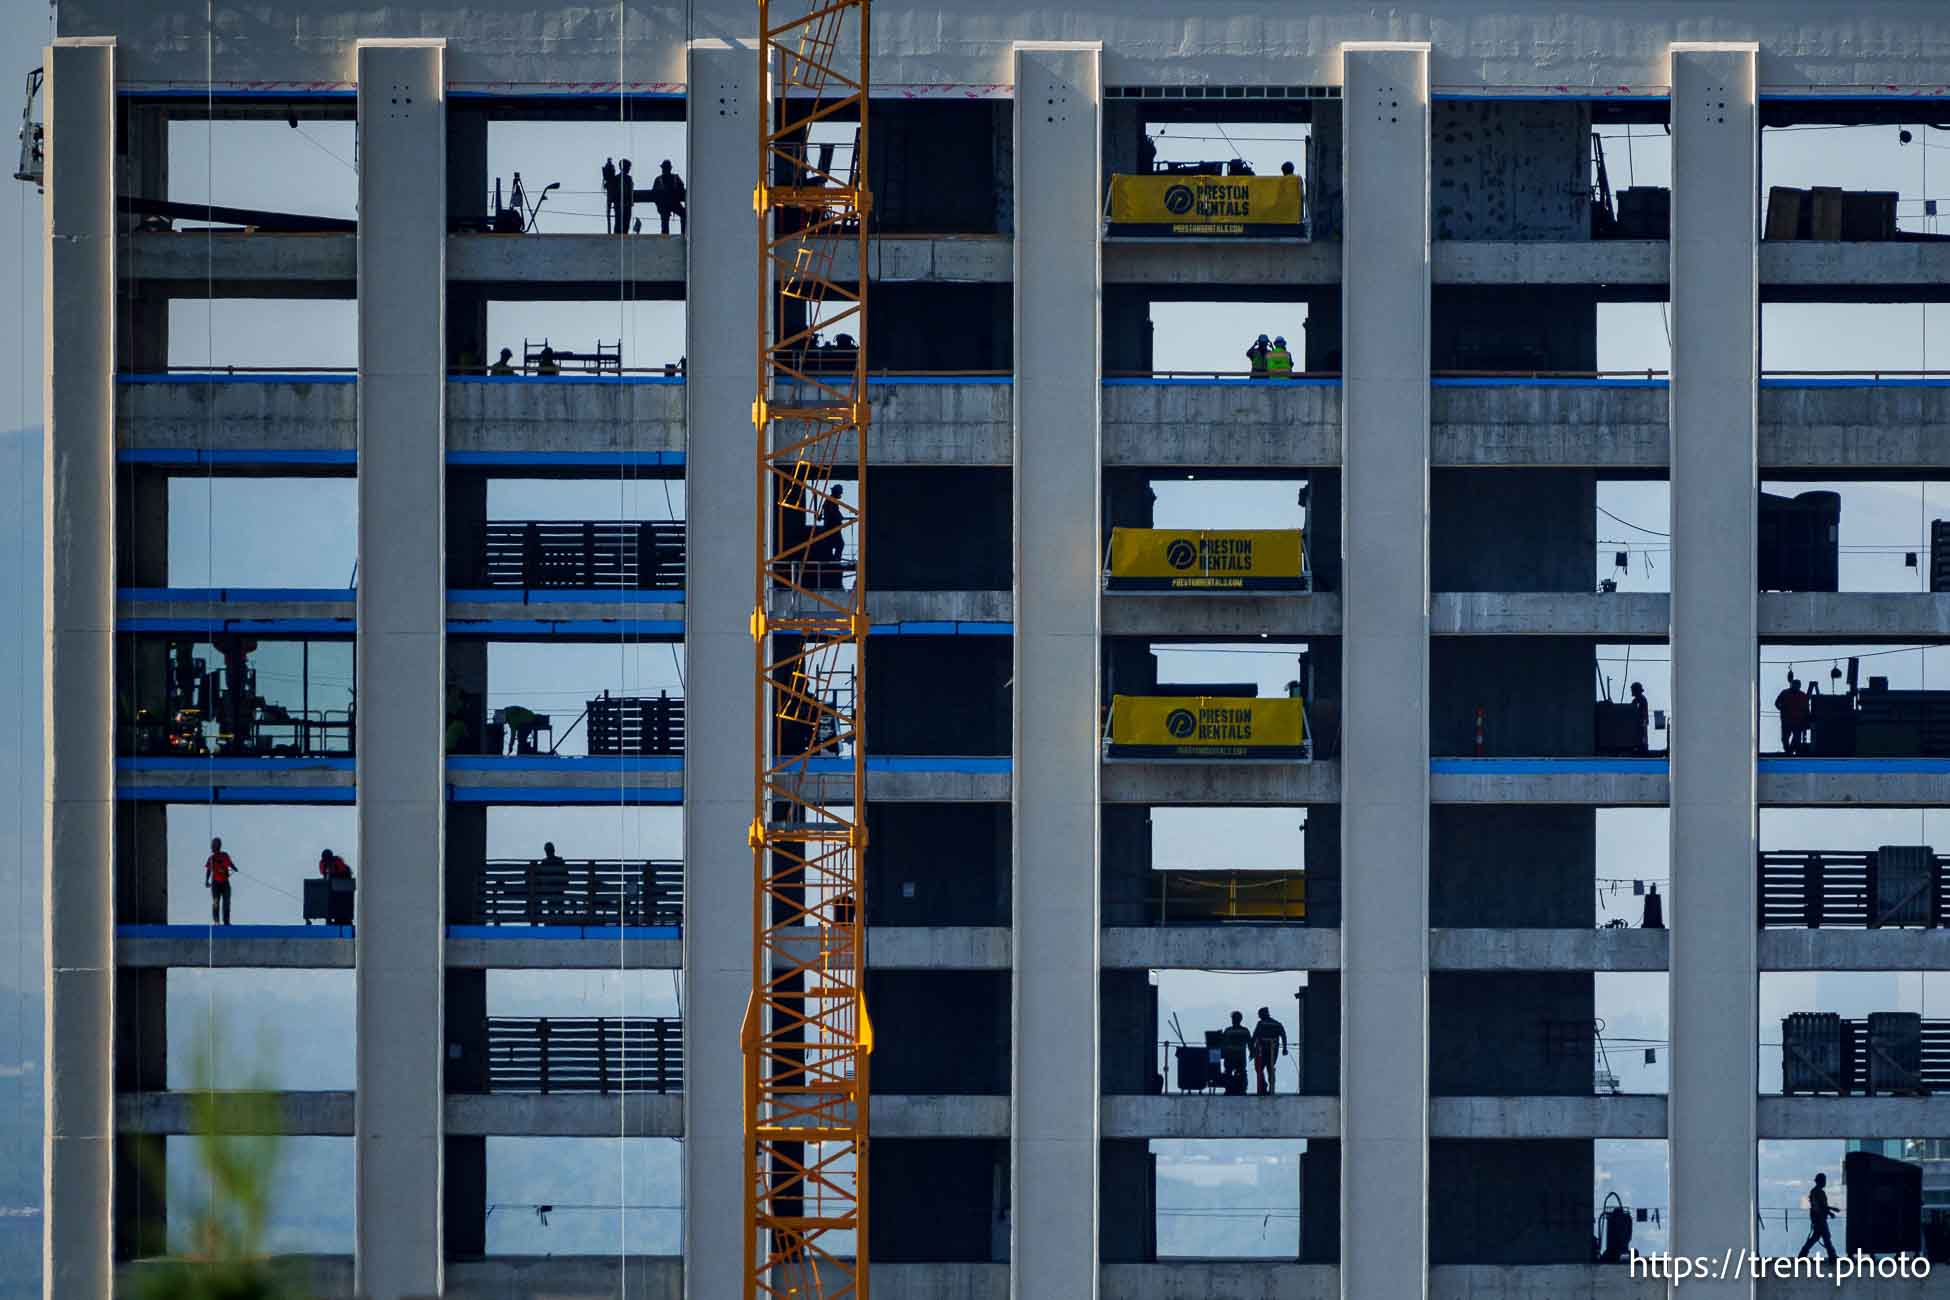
(310, 169)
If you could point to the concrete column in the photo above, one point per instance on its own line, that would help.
(1058, 396)
(78, 817)
(1715, 365)
(401, 667)
(720, 482)
(1385, 603)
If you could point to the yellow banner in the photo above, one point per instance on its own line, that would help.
(1205, 205)
(1204, 725)
(1207, 559)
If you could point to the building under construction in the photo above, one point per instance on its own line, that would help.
(961, 596)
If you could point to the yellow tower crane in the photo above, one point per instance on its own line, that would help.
(806, 1034)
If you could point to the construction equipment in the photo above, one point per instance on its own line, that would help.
(806, 1035)
(1800, 542)
(33, 135)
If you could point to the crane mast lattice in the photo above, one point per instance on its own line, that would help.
(806, 1036)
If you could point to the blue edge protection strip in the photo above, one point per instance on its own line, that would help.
(203, 932)
(972, 765)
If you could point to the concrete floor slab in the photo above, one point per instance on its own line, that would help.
(938, 1116)
(1208, 1279)
(1548, 950)
(565, 1114)
(1214, 614)
(1618, 615)
(1785, 1118)
(1547, 1117)
(1221, 947)
(1180, 1115)
(1852, 950)
(1220, 781)
(1541, 1282)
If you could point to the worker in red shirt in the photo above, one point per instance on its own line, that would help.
(217, 869)
(331, 865)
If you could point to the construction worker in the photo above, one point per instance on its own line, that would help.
(1235, 1041)
(546, 364)
(506, 365)
(1642, 717)
(829, 549)
(1792, 704)
(1279, 362)
(521, 724)
(1286, 169)
(609, 197)
(1256, 356)
(667, 196)
(333, 867)
(1269, 1045)
(548, 895)
(217, 869)
(1819, 1214)
(625, 196)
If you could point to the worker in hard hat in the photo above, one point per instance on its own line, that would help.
(1235, 1042)
(1256, 356)
(1279, 362)
(667, 196)
(217, 870)
(1642, 718)
(1269, 1045)
(506, 365)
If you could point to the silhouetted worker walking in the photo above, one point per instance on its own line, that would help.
(1818, 1216)
(1642, 718)
(217, 869)
(1792, 704)
(610, 187)
(1269, 1045)
(1235, 1041)
(667, 196)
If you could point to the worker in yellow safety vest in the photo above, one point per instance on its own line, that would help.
(1279, 362)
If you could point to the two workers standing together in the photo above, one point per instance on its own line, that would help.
(666, 194)
(1270, 359)
(1265, 1043)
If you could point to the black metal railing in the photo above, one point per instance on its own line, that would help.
(636, 725)
(581, 892)
(1823, 1052)
(585, 1054)
(1890, 886)
(626, 555)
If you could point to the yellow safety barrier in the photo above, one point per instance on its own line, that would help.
(1207, 726)
(1244, 559)
(1205, 205)
(1232, 896)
